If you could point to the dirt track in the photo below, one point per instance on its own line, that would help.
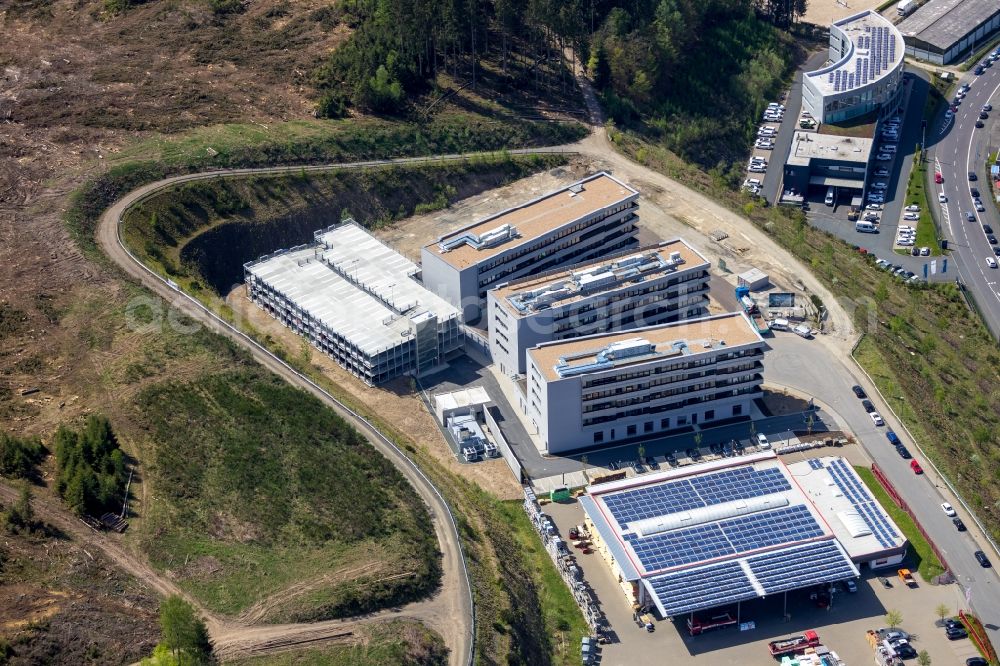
(450, 612)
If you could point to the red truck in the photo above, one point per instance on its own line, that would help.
(793, 643)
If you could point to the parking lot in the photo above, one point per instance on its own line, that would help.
(841, 626)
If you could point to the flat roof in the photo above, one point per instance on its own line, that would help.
(876, 49)
(354, 285)
(565, 286)
(942, 23)
(859, 522)
(807, 146)
(529, 221)
(716, 533)
(677, 339)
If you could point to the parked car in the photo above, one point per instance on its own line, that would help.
(959, 525)
(970, 216)
(980, 124)
(973, 176)
(905, 651)
(984, 561)
(976, 661)
(892, 437)
(955, 633)
(948, 509)
(974, 192)
(915, 466)
(869, 407)
(987, 107)
(884, 157)
(979, 70)
(979, 206)
(881, 172)
(762, 441)
(938, 178)
(983, 115)
(925, 251)
(858, 391)
(911, 216)
(877, 418)
(996, 250)
(903, 452)
(992, 239)
(942, 198)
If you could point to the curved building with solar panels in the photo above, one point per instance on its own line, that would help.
(865, 74)
(721, 533)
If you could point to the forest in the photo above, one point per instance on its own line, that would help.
(691, 74)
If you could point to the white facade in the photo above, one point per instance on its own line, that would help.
(865, 74)
(584, 220)
(611, 389)
(651, 285)
(357, 300)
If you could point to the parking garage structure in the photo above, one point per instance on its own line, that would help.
(721, 533)
(358, 301)
(590, 218)
(610, 389)
(651, 285)
(865, 71)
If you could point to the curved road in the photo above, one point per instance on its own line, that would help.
(451, 611)
(958, 148)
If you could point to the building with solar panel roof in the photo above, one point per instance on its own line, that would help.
(729, 531)
(865, 71)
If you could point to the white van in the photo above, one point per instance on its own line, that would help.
(865, 227)
(780, 325)
(830, 196)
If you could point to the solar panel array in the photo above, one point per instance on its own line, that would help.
(876, 50)
(815, 463)
(863, 503)
(725, 538)
(684, 495)
(740, 483)
(704, 587)
(663, 498)
(801, 566)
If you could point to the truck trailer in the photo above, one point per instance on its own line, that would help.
(793, 644)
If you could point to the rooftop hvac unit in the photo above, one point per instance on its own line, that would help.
(627, 348)
(675, 257)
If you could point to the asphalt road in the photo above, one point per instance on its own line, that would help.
(793, 105)
(792, 363)
(958, 147)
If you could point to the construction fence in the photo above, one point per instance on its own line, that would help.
(571, 574)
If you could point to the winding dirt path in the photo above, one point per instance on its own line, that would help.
(450, 612)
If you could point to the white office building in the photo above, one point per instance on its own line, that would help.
(581, 221)
(865, 73)
(652, 285)
(610, 389)
(357, 300)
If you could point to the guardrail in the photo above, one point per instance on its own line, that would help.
(901, 503)
(368, 425)
(927, 459)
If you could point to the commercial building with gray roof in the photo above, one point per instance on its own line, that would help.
(943, 31)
